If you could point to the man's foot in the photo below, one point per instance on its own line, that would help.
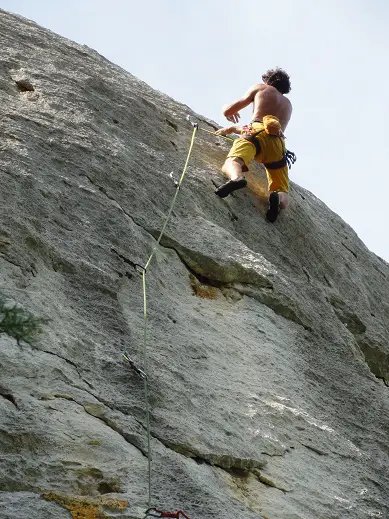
(274, 207)
(230, 186)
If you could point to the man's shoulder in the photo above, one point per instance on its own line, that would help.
(260, 86)
(257, 88)
(287, 100)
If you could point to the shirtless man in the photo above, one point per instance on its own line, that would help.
(261, 140)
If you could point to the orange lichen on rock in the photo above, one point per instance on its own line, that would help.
(203, 290)
(82, 507)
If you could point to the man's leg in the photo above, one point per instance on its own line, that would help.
(284, 199)
(237, 162)
(277, 200)
(278, 186)
(233, 168)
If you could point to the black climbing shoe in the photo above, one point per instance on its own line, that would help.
(230, 186)
(274, 207)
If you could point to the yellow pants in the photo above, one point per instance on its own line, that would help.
(272, 149)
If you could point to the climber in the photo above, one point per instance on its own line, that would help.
(262, 139)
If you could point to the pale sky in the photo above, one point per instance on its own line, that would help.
(205, 53)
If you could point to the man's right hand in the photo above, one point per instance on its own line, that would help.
(234, 118)
(231, 113)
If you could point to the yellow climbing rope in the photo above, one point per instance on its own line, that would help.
(213, 133)
(195, 128)
(144, 373)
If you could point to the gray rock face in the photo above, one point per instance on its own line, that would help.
(268, 345)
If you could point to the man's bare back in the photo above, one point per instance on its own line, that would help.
(266, 99)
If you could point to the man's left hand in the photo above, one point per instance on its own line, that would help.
(223, 131)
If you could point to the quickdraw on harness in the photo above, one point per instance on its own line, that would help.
(154, 512)
(250, 134)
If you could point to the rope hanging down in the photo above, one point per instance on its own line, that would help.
(195, 128)
(154, 512)
(143, 373)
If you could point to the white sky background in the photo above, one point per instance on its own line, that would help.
(205, 53)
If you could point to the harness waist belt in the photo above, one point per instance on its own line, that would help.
(277, 164)
(287, 159)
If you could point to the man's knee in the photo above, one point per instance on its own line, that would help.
(231, 160)
(231, 164)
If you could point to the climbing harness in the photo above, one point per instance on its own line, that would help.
(288, 159)
(250, 135)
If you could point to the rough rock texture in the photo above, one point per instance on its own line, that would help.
(268, 344)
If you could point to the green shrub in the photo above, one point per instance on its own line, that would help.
(19, 323)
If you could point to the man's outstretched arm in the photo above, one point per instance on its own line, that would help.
(229, 129)
(231, 112)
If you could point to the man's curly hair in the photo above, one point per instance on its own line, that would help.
(277, 78)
